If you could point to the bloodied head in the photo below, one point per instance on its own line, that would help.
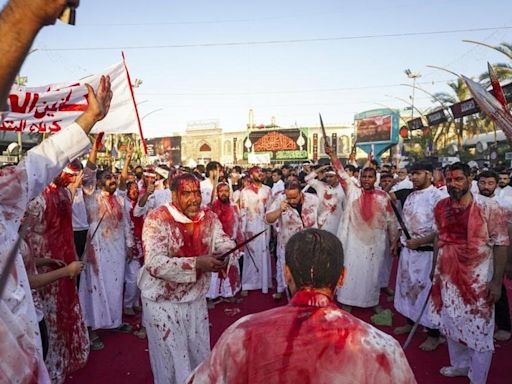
(133, 190)
(368, 178)
(68, 174)
(487, 183)
(107, 181)
(314, 258)
(293, 193)
(458, 180)
(186, 194)
(223, 192)
(257, 175)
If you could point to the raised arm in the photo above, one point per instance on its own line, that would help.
(20, 22)
(124, 172)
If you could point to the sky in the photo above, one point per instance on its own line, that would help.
(215, 60)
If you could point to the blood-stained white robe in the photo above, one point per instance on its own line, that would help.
(464, 267)
(101, 282)
(257, 272)
(368, 224)
(174, 292)
(290, 223)
(309, 340)
(227, 283)
(330, 208)
(20, 343)
(414, 267)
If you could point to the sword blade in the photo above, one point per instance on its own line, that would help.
(242, 244)
(324, 134)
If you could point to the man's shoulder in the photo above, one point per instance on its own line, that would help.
(161, 214)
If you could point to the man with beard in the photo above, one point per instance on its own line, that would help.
(310, 340)
(227, 283)
(254, 199)
(180, 240)
(504, 190)
(471, 255)
(209, 184)
(294, 211)
(133, 263)
(101, 284)
(413, 281)
(330, 198)
(487, 184)
(367, 229)
(50, 236)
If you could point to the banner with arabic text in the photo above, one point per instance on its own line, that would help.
(50, 108)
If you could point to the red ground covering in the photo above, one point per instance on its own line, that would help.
(125, 357)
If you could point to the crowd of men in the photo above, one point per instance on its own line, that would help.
(82, 246)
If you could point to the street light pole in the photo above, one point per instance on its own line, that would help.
(412, 75)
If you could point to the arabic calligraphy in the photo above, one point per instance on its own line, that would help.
(274, 141)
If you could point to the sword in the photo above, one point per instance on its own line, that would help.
(400, 220)
(324, 134)
(88, 242)
(242, 244)
(417, 322)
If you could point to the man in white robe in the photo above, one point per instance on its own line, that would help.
(213, 172)
(471, 257)
(413, 281)
(254, 200)
(109, 243)
(294, 211)
(227, 285)
(20, 343)
(330, 199)
(368, 225)
(179, 240)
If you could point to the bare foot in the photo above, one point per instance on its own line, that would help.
(377, 309)
(403, 329)
(244, 293)
(431, 343)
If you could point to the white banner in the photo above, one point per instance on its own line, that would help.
(50, 108)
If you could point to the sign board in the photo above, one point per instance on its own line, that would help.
(377, 130)
(280, 144)
(464, 108)
(259, 158)
(166, 148)
(508, 155)
(416, 123)
(436, 117)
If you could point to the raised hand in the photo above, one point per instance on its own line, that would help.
(43, 12)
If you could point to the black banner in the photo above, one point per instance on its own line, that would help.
(414, 124)
(465, 108)
(436, 117)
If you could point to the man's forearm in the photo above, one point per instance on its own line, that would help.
(17, 35)
(272, 216)
(500, 260)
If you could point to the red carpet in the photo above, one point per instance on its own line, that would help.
(125, 358)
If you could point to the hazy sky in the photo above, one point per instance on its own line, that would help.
(285, 58)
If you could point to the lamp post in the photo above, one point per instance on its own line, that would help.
(412, 75)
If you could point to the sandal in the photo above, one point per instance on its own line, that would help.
(124, 328)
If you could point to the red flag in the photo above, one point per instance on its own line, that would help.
(496, 87)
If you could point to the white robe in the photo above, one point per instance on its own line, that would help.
(101, 282)
(230, 284)
(20, 343)
(291, 223)
(364, 241)
(414, 267)
(330, 209)
(173, 291)
(253, 206)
